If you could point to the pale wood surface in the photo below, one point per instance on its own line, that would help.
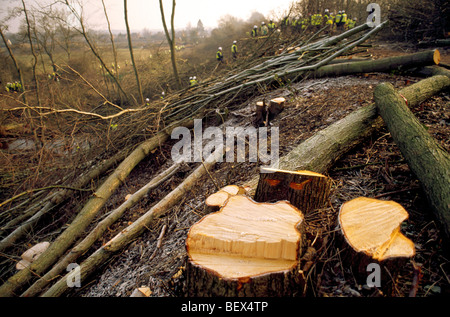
(246, 238)
(372, 226)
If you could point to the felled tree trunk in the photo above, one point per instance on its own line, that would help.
(426, 158)
(305, 190)
(246, 249)
(371, 230)
(430, 57)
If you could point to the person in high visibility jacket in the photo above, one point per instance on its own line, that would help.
(234, 50)
(344, 17)
(316, 20)
(271, 26)
(264, 29)
(193, 81)
(339, 20)
(255, 31)
(219, 55)
(351, 23)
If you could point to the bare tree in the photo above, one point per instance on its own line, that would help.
(84, 33)
(130, 46)
(171, 39)
(32, 51)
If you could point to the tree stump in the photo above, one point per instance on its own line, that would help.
(305, 190)
(266, 112)
(371, 228)
(246, 249)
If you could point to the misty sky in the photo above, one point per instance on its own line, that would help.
(145, 13)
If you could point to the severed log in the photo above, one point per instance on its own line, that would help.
(319, 152)
(426, 158)
(371, 229)
(126, 236)
(246, 249)
(98, 231)
(86, 215)
(305, 190)
(425, 58)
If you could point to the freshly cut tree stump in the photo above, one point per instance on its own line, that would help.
(215, 201)
(305, 190)
(265, 113)
(276, 105)
(371, 228)
(246, 249)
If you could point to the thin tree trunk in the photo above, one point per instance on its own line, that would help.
(130, 46)
(171, 39)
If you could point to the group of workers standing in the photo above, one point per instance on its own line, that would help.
(340, 21)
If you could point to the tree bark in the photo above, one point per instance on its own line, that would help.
(305, 190)
(426, 158)
(319, 152)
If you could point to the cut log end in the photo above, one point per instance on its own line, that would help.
(437, 57)
(261, 237)
(372, 227)
(244, 242)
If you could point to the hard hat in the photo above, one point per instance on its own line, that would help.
(220, 48)
(190, 78)
(343, 11)
(147, 99)
(326, 10)
(234, 42)
(340, 12)
(262, 23)
(194, 78)
(255, 26)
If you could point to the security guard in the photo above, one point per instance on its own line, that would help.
(234, 49)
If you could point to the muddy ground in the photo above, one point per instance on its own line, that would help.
(375, 168)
